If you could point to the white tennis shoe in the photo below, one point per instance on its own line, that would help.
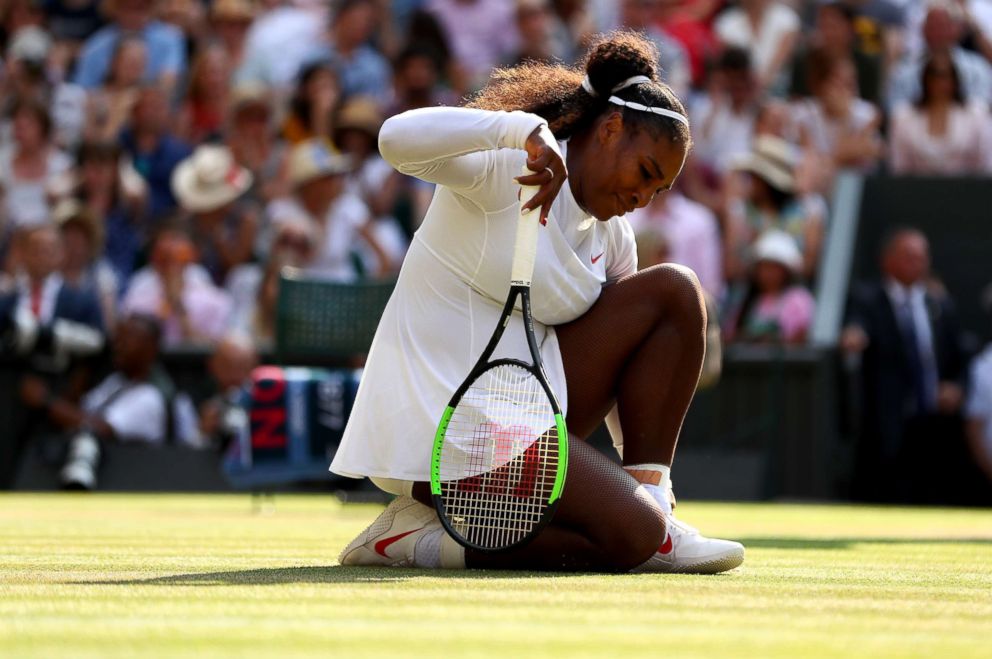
(685, 550)
(390, 541)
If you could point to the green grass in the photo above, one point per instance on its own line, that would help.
(137, 576)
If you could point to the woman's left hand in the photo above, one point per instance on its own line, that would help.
(549, 173)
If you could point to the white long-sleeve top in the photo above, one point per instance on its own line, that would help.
(456, 277)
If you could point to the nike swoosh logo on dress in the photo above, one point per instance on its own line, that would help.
(597, 257)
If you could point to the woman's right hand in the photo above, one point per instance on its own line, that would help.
(549, 172)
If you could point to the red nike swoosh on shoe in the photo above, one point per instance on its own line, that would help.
(597, 257)
(666, 546)
(380, 547)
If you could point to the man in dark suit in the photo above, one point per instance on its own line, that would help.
(912, 370)
(46, 326)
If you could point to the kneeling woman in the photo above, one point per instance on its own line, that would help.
(610, 337)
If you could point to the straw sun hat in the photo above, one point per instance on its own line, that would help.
(209, 179)
(773, 160)
(315, 159)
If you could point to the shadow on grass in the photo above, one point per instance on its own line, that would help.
(330, 574)
(848, 543)
(338, 574)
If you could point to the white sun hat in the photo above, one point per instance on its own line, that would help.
(209, 179)
(315, 159)
(778, 247)
(772, 159)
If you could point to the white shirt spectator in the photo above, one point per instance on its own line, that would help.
(720, 135)
(824, 131)
(135, 410)
(208, 308)
(778, 22)
(963, 149)
(339, 239)
(25, 202)
(279, 43)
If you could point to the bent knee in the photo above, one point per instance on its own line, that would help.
(679, 293)
(634, 539)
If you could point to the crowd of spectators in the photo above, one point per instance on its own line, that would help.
(166, 159)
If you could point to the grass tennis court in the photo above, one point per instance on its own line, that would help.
(168, 575)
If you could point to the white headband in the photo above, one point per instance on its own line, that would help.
(635, 80)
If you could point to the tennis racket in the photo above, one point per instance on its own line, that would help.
(501, 449)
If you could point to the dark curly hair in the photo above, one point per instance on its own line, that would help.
(555, 92)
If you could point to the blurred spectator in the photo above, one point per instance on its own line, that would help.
(690, 23)
(28, 164)
(362, 69)
(45, 314)
(942, 31)
(940, 134)
(572, 27)
(311, 110)
(111, 104)
(673, 64)
(834, 33)
(153, 149)
(416, 81)
(769, 29)
(230, 21)
(72, 21)
(105, 182)
(341, 220)
(773, 307)
(220, 404)
(912, 369)
(28, 75)
(210, 186)
(46, 328)
(18, 14)
(135, 403)
(482, 35)
(766, 201)
(724, 116)
(834, 121)
(203, 113)
(880, 28)
(251, 138)
(254, 287)
(179, 292)
(674, 229)
(83, 266)
(978, 417)
(372, 179)
(281, 40)
(533, 18)
(165, 63)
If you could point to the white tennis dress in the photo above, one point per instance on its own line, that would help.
(456, 277)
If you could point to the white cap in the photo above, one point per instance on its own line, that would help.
(778, 247)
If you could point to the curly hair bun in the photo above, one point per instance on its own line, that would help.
(617, 56)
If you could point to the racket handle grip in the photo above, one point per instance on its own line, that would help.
(525, 248)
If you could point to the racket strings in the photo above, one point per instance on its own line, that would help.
(500, 458)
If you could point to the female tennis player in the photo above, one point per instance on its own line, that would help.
(602, 140)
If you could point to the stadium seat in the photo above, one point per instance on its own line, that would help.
(320, 322)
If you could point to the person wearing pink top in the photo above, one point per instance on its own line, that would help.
(775, 309)
(941, 134)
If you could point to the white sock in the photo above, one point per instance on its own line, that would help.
(436, 549)
(661, 496)
(656, 479)
(427, 551)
